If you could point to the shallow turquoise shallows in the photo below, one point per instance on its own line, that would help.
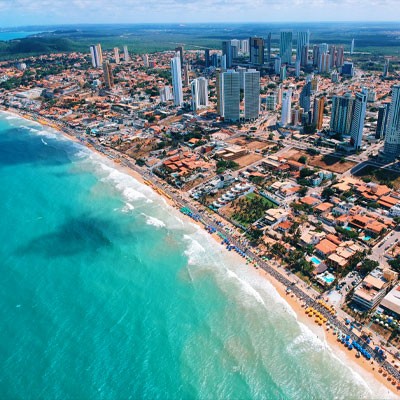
(106, 293)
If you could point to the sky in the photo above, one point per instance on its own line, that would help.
(51, 12)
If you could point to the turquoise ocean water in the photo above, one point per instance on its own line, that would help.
(106, 293)
(15, 35)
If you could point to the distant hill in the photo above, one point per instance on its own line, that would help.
(34, 46)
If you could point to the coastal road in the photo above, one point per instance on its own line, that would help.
(294, 284)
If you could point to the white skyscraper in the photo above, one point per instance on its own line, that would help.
(96, 55)
(352, 47)
(241, 71)
(223, 62)
(116, 55)
(392, 136)
(286, 107)
(244, 46)
(297, 71)
(177, 80)
(357, 122)
(199, 93)
(126, 54)
(231, 95)
(251, 94)
(278, 64)
(146, 61)
(165, 94)
(303, 39)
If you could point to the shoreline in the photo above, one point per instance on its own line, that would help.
(294, 302)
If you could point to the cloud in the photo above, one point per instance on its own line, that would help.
(71, 11)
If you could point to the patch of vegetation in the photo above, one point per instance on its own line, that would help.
(250, 208)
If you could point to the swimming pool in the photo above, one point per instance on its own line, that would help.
(328, 278)
(315, 260)
(366, 238)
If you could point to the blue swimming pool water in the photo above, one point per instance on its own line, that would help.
(328, 278)
(315, 260)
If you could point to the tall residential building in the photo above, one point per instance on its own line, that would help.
(279, 95)
(199, 93)
(165, 94)
(216, 60)
(324, 63)
(386, 69)
(332, 55)
(223, 62)
(282, 73)
(286, 46)
(352, 47)
(256, 50)
(108, 76)
(315, 83)
(231, 95)
(244, 46)
(126, 54)
(227, 51)
(207, 57)
(270, 102)
(318, 112)
(241, 71)
(186, 75)
(381, 125)
(303, 39)
(347, 69)
(146, 61)
(392, 137)
(219, 90)
(278, 64)
(181, 52)
(339, 56)
(235, 48)
(269, 46)
(357, 122)
(286, 108)
(304, 56)
(297, 68)
(177, 80)
(341, 114)
(116, 55)
(305, 97)
(97, 55)
(251, 94)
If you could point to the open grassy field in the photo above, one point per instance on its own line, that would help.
(330, 163)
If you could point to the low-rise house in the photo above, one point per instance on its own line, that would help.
(325, 248)
(310, 201)
(311, 238)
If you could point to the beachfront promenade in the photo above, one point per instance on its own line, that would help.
(301, 294)
(269, 269)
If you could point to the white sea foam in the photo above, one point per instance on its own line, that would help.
(195, 252)
(154, 221)
(124, 183)
(127, 207)
(44, 142)
(246, 286)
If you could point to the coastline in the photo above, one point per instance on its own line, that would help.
(371, 371)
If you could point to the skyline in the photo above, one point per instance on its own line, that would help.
(41, 12)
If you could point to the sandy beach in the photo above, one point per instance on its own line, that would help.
(370, 370)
